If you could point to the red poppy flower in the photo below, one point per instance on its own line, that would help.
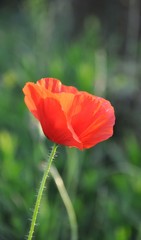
(68, 116)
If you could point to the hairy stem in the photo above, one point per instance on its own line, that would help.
(40, 192)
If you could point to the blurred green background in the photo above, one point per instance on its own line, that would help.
(95, 46)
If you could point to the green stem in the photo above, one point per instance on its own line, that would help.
(40, 192)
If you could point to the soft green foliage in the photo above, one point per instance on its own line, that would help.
(104, 183)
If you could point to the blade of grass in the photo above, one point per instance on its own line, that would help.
(67, 202)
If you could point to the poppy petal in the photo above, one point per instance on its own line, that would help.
(92, 119)
(54, 85)
(33, 93)
(65, 100)
(32, 97)
(54, 123)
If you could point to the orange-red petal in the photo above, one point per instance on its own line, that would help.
(32, 97)
(54, 123)
(55, 86)
(34, 92)
(92, 119)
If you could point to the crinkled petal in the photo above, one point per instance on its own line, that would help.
(55, 86)
(54, 123)
(34, 93)
(32, 96)
(92, 119)
(65, 100)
